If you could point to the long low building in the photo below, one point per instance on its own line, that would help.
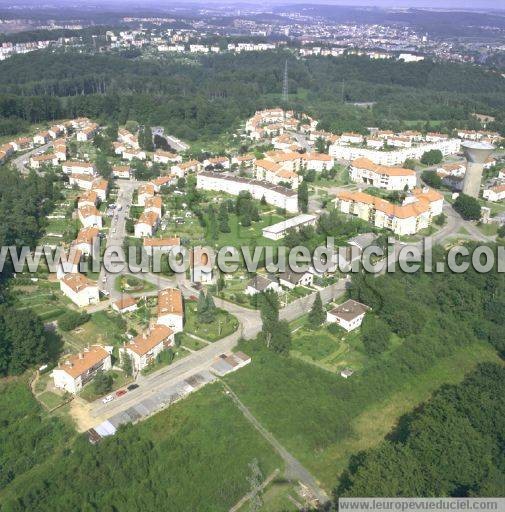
(393, 157)
(413, 215)
(363, 170)
(279, 230)
(276, 195)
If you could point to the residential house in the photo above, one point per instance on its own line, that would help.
(56, 131)
(126, 304)
(180, 170)
(160, 245)
(221, 162)
(121, 172)
(79, 369)
(352, 138)
(60, 149)
(145, 192)
(100, 187)
(82, 181)
(85, 239)
(39, 161)
(154, 204)
(260, 284)
(171, 309)
(165, 157)
(41, 138)
(87, 132)
(163, 181)
(290, 279)
(494, 194)
(144, 348)
(131, 153)
(318, 161)
(89, 217)
(79, 289)
(348, 315)
(147, 224)
(88, 198)
(75, 167)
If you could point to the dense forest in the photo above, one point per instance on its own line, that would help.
(24, 204)
(450, 446)
(212, 94)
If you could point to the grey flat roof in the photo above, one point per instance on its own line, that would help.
(304, 218)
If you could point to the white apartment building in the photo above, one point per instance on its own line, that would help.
(74, 167)
(78, 369)
(413, 215)
(79, 289)
(144, 348)
(89, 217)
(145, 192)
(363, 170)
(495, 194)
(393, 157)
(165, 157)
(147, 224)
(275, 195)
(84, 240)
(171, 309)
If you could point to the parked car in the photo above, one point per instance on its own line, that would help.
(108, 399)
(121, 392)
(131, 387)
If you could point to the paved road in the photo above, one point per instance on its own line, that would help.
(117, 233)
(294, 469)
(19, 161)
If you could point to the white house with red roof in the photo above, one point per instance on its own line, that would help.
(78, 369)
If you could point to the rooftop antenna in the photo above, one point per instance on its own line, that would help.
(285, 85)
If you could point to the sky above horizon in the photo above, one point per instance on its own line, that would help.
(433, 4)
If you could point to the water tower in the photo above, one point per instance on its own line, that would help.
(476, 154)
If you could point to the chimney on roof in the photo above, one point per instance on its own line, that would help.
(81, 355)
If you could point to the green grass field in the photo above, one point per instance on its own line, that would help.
(321, 418)
(43, 297)
(50, 399)
(104, 327)
(330, 352)
(222, 325)
(132, 284)
(191, 343)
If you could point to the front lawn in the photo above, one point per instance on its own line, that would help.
(119, 380)
(50, 399)
(132, 284)
(165, 358)
(104, 327)
(222, 325)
